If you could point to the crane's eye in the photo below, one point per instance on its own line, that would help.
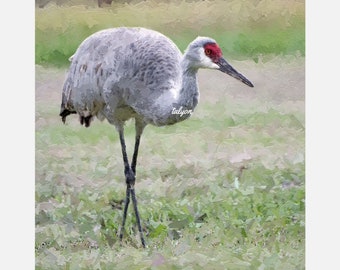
(207, 51)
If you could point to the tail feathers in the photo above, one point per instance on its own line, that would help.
(64, 113)
(84, 120)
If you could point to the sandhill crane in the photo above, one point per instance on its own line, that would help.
(122, 73)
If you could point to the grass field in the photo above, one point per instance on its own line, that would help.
(223, 190)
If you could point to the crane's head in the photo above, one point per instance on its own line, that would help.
(204, 52)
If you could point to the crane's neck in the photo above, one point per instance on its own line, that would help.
(179, 102)
(188, 96)
(189, 93)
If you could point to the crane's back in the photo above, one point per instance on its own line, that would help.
(117, 73)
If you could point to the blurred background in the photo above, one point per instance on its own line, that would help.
(244, 28)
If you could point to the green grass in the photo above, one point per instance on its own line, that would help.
(193, 213)
(244, 29)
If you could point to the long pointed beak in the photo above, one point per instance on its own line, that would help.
(227, 68)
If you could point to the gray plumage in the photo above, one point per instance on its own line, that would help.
(122, 73)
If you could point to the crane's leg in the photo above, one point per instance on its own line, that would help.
(127, 179)
(130, 182)
(139, 130)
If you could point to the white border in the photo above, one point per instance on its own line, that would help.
(323, 135)
(17, 135)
